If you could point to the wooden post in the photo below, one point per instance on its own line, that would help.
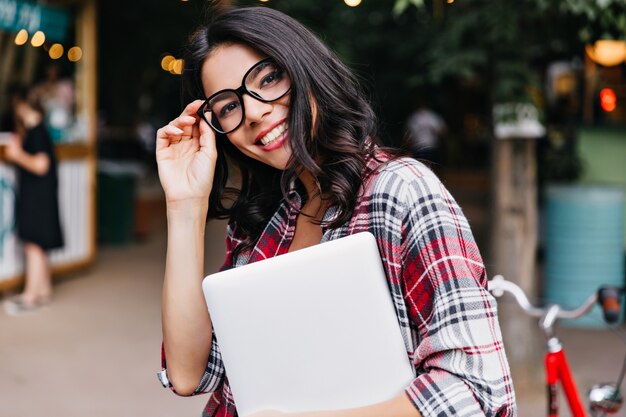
(513, 249)
(87, 104)
(7, 52)
(590, 74)
(515, 200)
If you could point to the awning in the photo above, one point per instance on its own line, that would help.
(16, 15)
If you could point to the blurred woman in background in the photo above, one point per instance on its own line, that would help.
(37, 206)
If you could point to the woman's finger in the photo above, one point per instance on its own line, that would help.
(166, 135)
(196, 130)
(192, 108)
(184, 121)
(184, 127)
(171, 129)
(171, 132)
(207, 138)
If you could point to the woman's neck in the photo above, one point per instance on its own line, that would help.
(315, 205)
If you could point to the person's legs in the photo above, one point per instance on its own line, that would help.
(38, 286)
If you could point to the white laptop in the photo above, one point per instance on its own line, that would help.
(314, 329)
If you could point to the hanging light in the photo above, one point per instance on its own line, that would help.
(607, 53)
(21, 38)
(75, 53)
(38, 39)
(166, 61)
(352, 3)
(56, 51)
(176, 66)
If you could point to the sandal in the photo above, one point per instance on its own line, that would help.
(15, 306)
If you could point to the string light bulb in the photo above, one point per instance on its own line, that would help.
(75, 54)
(176, 66)
(38, 39)
(21, 38)
(165, 62)
(352, 3)
(56, 51)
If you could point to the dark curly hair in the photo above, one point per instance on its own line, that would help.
(334, 151)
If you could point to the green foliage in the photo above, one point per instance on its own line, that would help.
(488, 50)
(598, 19)
(506, 37)
(486, 42)
(402, 5)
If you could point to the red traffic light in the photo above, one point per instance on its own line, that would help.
(608, 100)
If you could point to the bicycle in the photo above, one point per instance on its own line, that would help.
(603, 398)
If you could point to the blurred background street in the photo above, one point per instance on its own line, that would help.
(519, 107)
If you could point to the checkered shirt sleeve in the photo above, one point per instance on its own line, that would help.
(459, 356)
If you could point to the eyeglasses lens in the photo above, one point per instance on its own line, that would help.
(226, 110)
(265, 82)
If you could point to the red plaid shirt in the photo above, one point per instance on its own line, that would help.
(438, 284)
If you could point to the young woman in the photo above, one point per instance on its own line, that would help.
(279, 109)
(37, 206)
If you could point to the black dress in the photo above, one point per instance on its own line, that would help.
(37, 201)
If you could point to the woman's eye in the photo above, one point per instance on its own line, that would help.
(228, 108)
(271, 78)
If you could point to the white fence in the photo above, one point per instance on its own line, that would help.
(75, 208)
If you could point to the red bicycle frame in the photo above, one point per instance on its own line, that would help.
(603, 398)
(557, 369)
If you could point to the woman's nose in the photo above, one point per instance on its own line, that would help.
(255, 110)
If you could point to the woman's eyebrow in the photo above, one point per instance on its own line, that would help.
(258, 68)
(223, 90)
(256, 71)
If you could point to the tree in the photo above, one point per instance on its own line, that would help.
(598, 19)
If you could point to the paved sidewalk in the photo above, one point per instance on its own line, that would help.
(95, 351)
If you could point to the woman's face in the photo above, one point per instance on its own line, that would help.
(263, 133)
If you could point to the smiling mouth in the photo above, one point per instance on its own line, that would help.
(272, 135)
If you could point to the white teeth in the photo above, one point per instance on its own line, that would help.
(273, 134)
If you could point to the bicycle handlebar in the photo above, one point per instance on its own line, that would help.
(498, 286)
(608, 298)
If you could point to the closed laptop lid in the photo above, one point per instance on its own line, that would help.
(314, 329)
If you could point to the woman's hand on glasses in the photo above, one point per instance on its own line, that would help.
(186, 155)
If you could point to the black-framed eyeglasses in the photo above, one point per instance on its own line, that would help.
(265, 81)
